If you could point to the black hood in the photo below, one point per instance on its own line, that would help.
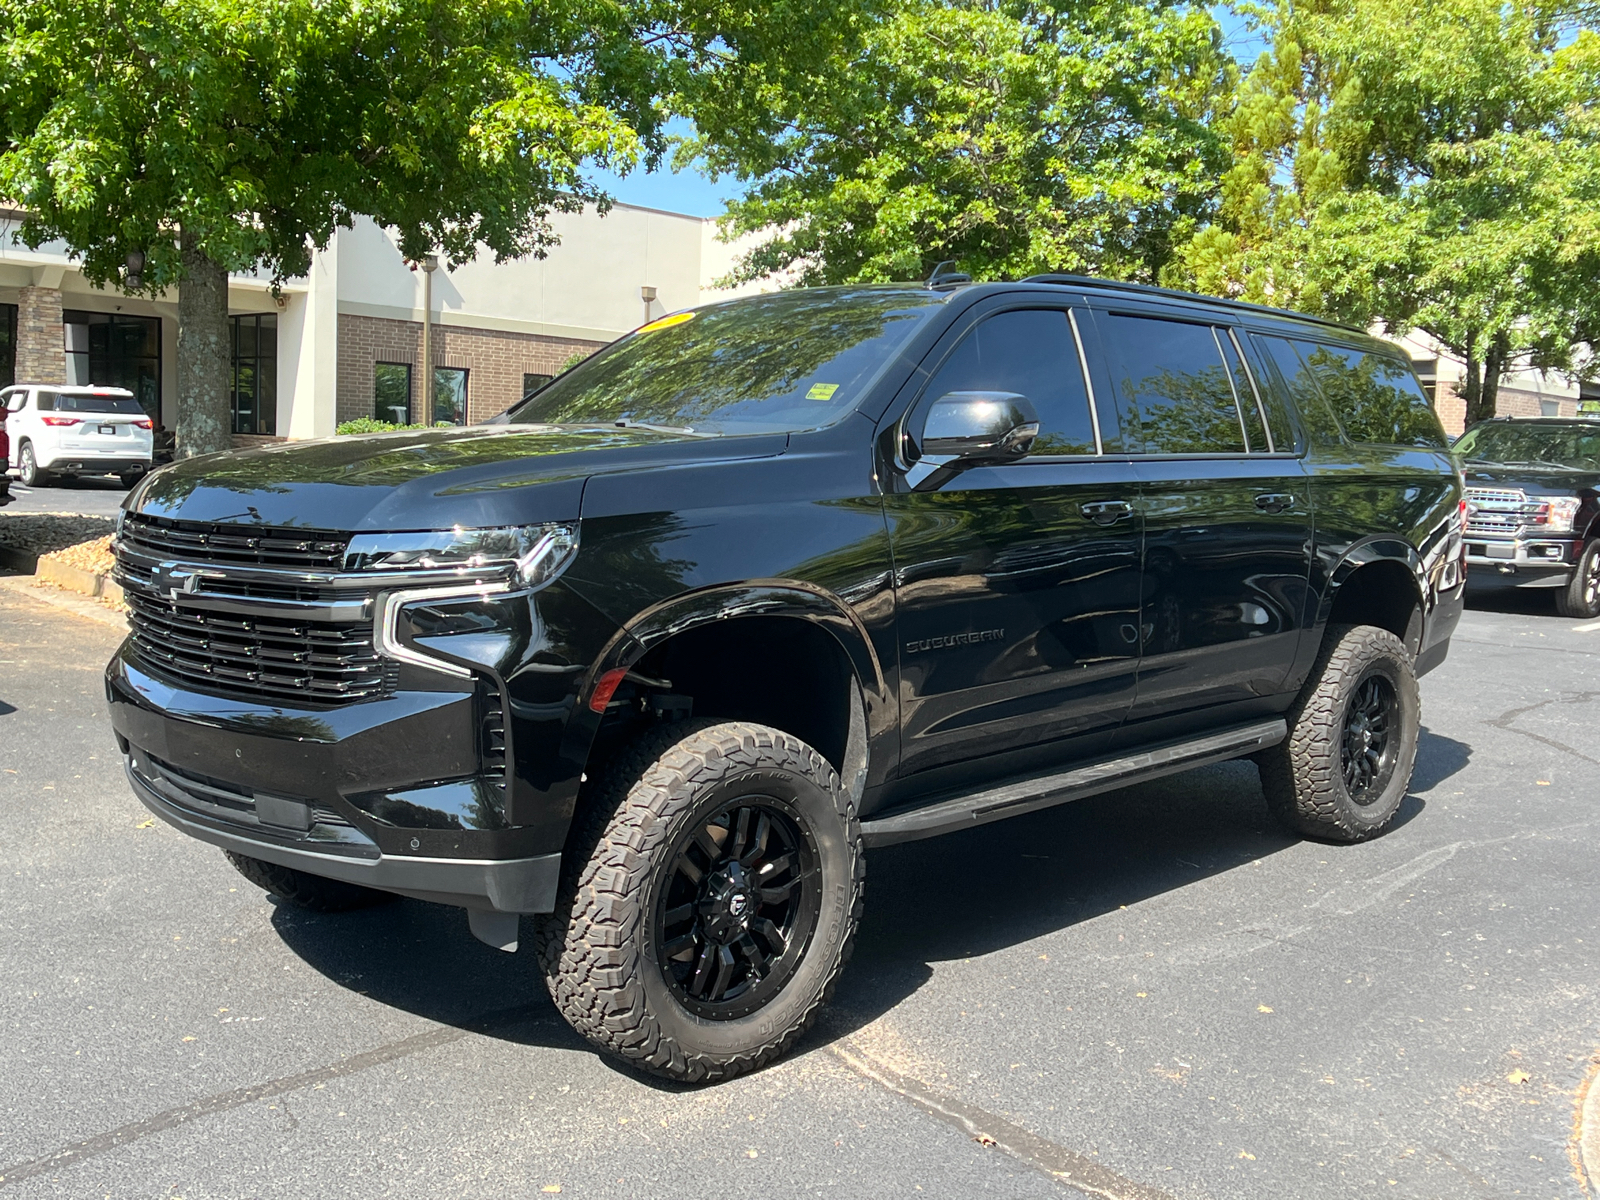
(479, 476)
(1539, 478)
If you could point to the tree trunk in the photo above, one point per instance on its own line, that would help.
(204, 354)
(1482, 390)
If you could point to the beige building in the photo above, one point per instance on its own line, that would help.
(346, 341)
(1523, 393)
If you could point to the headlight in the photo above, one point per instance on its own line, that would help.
(1560, 513)
(539, 553)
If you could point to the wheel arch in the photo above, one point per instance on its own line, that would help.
(777, 652)
(1379, 582)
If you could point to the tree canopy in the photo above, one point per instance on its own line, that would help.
(1422, 164)
(1011, 137)
(218, 135)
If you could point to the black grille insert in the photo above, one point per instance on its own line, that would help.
(241, 545)
(279, 659)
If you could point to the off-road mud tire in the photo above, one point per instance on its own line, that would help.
(596, 949)
(311, 892)
(1302, 776)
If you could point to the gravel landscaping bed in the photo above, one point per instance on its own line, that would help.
(34, 534)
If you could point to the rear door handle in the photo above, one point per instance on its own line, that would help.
(1106, 512)
(1274, 502)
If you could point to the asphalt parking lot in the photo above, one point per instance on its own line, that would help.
(1152, 993)
(93, 496)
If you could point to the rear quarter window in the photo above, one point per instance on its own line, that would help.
(1375, 397)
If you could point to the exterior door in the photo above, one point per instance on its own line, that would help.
(1017, 586)
(1227, 519)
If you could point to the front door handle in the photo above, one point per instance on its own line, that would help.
(1275, 502)
(1106, 512)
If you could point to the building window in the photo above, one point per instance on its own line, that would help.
(8, 344)
(532, 383)
(391, 392)
(450, 395)
(255, 373)
(1427, 370)
(116, 350)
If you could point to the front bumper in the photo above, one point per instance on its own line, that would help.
(1520, 562)
(522, 885)
(385, 793)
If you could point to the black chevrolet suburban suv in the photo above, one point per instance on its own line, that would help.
(1533, 508)
(660, 652)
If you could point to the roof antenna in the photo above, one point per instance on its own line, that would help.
(939, 277)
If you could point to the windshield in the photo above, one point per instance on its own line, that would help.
(1574, 446)
(65, 402)
(776, 363)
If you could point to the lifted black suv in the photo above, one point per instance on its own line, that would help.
(1533, 508)
(657, 654)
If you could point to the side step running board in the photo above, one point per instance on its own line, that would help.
(1043, 791)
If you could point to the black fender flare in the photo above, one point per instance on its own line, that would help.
(873, 710)
(1377, 549)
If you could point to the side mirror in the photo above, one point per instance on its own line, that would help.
(970, 429)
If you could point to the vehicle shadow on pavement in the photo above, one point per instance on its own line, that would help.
(954, 897)
(420, 958)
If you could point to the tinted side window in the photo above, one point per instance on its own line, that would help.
(45, 401)
(1032, 353)
(1376, 398)
(1301, 385)
(1173, 389)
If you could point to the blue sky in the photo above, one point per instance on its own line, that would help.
(691, 192)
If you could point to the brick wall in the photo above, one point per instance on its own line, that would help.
(1509, 402)
(41, 341)
(495, 361)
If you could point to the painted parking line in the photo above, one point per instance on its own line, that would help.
(1587, 627)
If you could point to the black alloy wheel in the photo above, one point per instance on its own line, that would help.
(1367, 750)
(738, 908)
(1581, 596)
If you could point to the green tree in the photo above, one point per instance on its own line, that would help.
(1012, 136)
(219, 135)
(1426, 165)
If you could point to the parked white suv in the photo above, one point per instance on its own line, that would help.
(59, 430)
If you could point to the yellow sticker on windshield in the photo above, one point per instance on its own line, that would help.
(666, 322)
(822, 391)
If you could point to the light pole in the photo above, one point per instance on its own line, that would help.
(430, 264)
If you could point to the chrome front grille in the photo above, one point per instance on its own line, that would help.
(246, 611)
(1503, 512)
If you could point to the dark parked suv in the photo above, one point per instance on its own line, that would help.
(659, 653)
(1533, 508)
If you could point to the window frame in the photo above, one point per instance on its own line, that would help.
(410, 370)
(1219, 326)
(466, 395)
(956, 336)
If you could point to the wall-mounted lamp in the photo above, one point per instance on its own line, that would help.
(648, 295)
(135, 269)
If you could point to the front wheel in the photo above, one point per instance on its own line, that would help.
(129, 478)
(1581, 596)
(708, 902)
(28, 469)
(1346, 764)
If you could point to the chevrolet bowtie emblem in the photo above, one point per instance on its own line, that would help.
(174, 580)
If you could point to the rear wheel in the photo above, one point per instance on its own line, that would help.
(129, 478)
(1581, 597)
(1346, 764)
(710, 898)
(28, 468)
(313, 892)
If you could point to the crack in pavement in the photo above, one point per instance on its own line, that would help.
(132, 1132)
(1064, 1166)
(1503, 721)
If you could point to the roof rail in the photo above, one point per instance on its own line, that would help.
(1091, 281)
